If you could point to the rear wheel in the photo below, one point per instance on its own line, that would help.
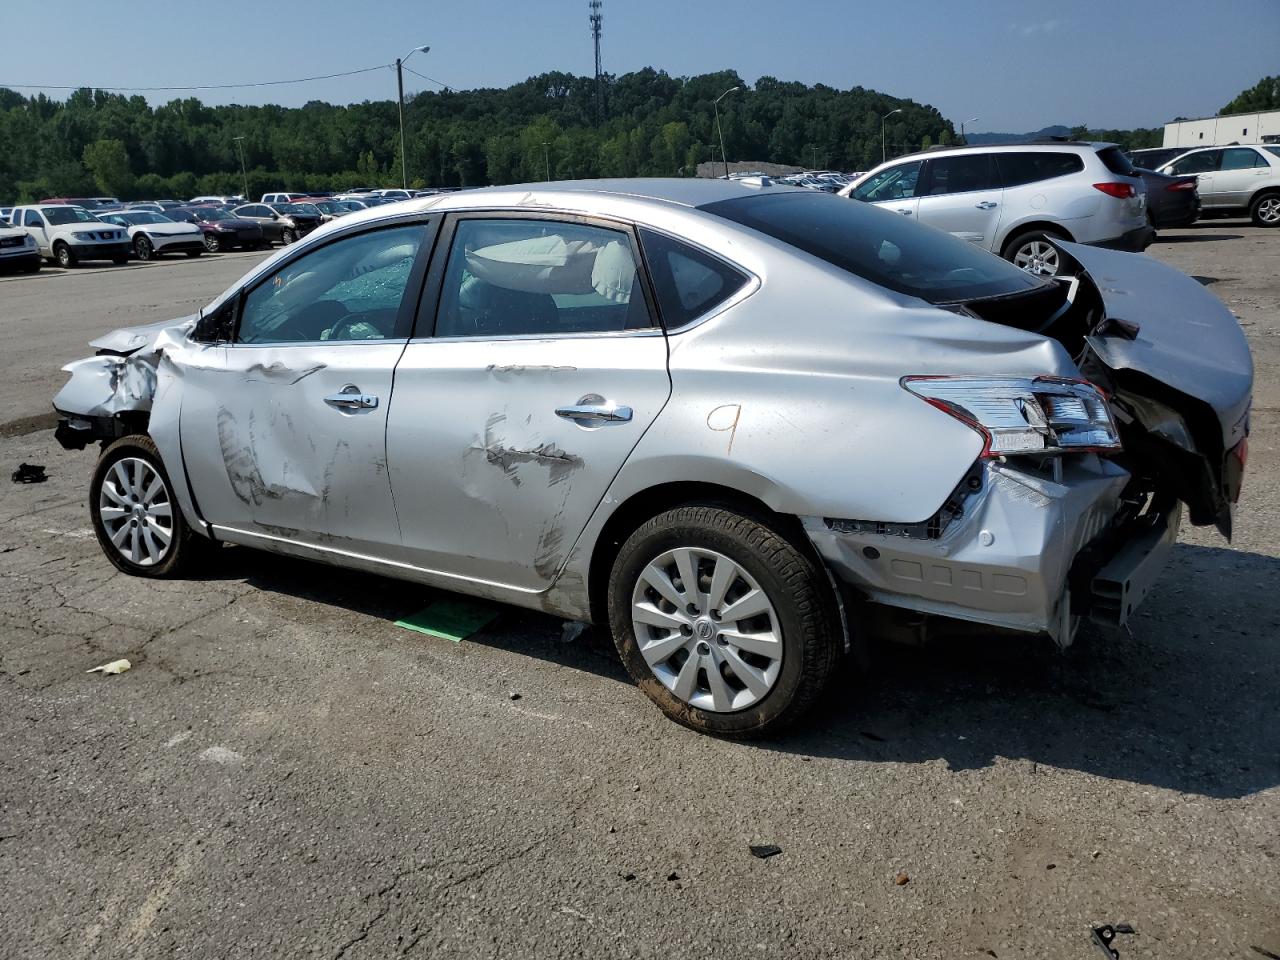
(143, 248)
(288, 236)
(1035, 253)
(722, 621)
(135, 516)
(63, 255)
(212, 243)
(1265, 210)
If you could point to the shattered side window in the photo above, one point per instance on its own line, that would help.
(350, 289)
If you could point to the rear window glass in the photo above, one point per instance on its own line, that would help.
(1113, 159)
(688, 282)
(878, 245)
(962, 173)
(1019, 168)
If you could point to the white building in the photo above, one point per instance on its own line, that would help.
(1215, 131)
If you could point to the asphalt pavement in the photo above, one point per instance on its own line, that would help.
(284, 772)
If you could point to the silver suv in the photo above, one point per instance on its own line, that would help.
(1013, 199)
(1241, 177)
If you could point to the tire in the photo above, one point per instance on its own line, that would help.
(787, 673)
(64, 256)
(33, 267)
(288, 235)
(1037, 253)
(212, 243)
(192, 254)
(123, 477)
(144, 248)
(1264, 211)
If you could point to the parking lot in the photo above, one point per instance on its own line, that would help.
(285, 772)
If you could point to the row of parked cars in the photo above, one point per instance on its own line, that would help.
(1017, 200)
(71, 230)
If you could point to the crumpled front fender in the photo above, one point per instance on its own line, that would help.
(107, 385)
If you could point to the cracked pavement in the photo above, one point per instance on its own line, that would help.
(285, 773)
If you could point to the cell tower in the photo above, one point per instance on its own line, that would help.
(597, 19)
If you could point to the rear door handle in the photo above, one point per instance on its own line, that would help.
(987, 205)
(593, 408)
(352, 401)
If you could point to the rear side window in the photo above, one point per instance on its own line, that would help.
(33, 219)
(1206, 161)
(1242, 158)
(1019, 168)
(963, 173)
(688, 282)
(1273, 150)
(1113, 159)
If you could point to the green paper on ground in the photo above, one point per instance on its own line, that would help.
(450, 619)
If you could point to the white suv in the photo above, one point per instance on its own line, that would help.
(1240, 177)
(1014, 199)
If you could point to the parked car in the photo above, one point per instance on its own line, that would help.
(5, 213)
(1153, 158)
(495, 393)
(282, 197)
(154, 234)
(332, 209)
(1018, 199)
(232, 200)
(155, 206)
(312, 209)
(18, 250)
(280, 222)
(222, 230)
(1171, 201)
(394, 194)
(70, 234)
(1236, 179)
(87, 203)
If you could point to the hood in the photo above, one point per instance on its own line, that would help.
(129, 340)
(1186, 337)
(167, 229)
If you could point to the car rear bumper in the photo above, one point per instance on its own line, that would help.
(1134, 241)
(1011, 557)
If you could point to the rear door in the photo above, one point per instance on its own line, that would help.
(1241, 172)
(1203, 165)
(962, 195)
(536, 366)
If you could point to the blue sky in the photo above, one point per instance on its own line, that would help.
(1015, 65)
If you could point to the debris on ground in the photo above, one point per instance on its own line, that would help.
(451, 619)
(513, 695)
(29, 473)
(571, 631)
(115, 666)
(765, 850)
(1103, 935)
(901, 879)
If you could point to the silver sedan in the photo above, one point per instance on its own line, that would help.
(729, 421)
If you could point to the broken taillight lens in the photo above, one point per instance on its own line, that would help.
(1024, 415)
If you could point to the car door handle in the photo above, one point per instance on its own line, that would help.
(352, 401)
(905, 213)
(594, 408)
(987, 205)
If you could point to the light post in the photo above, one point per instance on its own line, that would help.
(716, 104)
(963, 141)
(546, 159)
(882, 120)
(243, 173)
(404, 158)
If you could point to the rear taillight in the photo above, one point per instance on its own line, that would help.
(1121, 191)
(1181, 185)
(1024, 415)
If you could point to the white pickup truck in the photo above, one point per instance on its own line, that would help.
(70, 234)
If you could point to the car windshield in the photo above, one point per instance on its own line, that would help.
(292, 208)
(136, 217)
(61, 215)
(310, 208)
(212, 213)
(879, 246)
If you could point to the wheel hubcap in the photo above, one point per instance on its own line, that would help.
(1269, 210)
(1038, 256)
(706, 629)
(137, 512)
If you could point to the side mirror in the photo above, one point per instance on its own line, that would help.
(275, 216)
(218, 326)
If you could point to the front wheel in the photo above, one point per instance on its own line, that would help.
(1265, 210)
(288, 236)
(212, 243)
(1035, 252)
(135, 516)
(64, 256)
(722, 621)
(143, 248)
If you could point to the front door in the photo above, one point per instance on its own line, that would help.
(35, 225)
(508, 425)
(962, 195)
(283, 434)
(893, 188)
(1203, 165)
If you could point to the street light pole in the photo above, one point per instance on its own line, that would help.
(882, 120)
(716, 104)
(546, 159)
(963, 141)
(404, 157)
(243, 173)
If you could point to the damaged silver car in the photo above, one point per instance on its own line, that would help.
(728, 420)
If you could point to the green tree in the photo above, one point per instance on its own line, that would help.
(108, 161)
(1264, 95)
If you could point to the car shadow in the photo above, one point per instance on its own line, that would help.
(1202, 238)
(1186, 701)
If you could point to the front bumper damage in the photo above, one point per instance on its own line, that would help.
(1015, 547)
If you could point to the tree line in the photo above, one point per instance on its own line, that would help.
(100, 143)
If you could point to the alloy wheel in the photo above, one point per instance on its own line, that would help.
(1039, 257)
(1269, 210)
(142, 247)
(706, 629)
(212, 243)
(137, 511)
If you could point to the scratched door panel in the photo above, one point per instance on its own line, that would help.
(269, 455)
(489, 482)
